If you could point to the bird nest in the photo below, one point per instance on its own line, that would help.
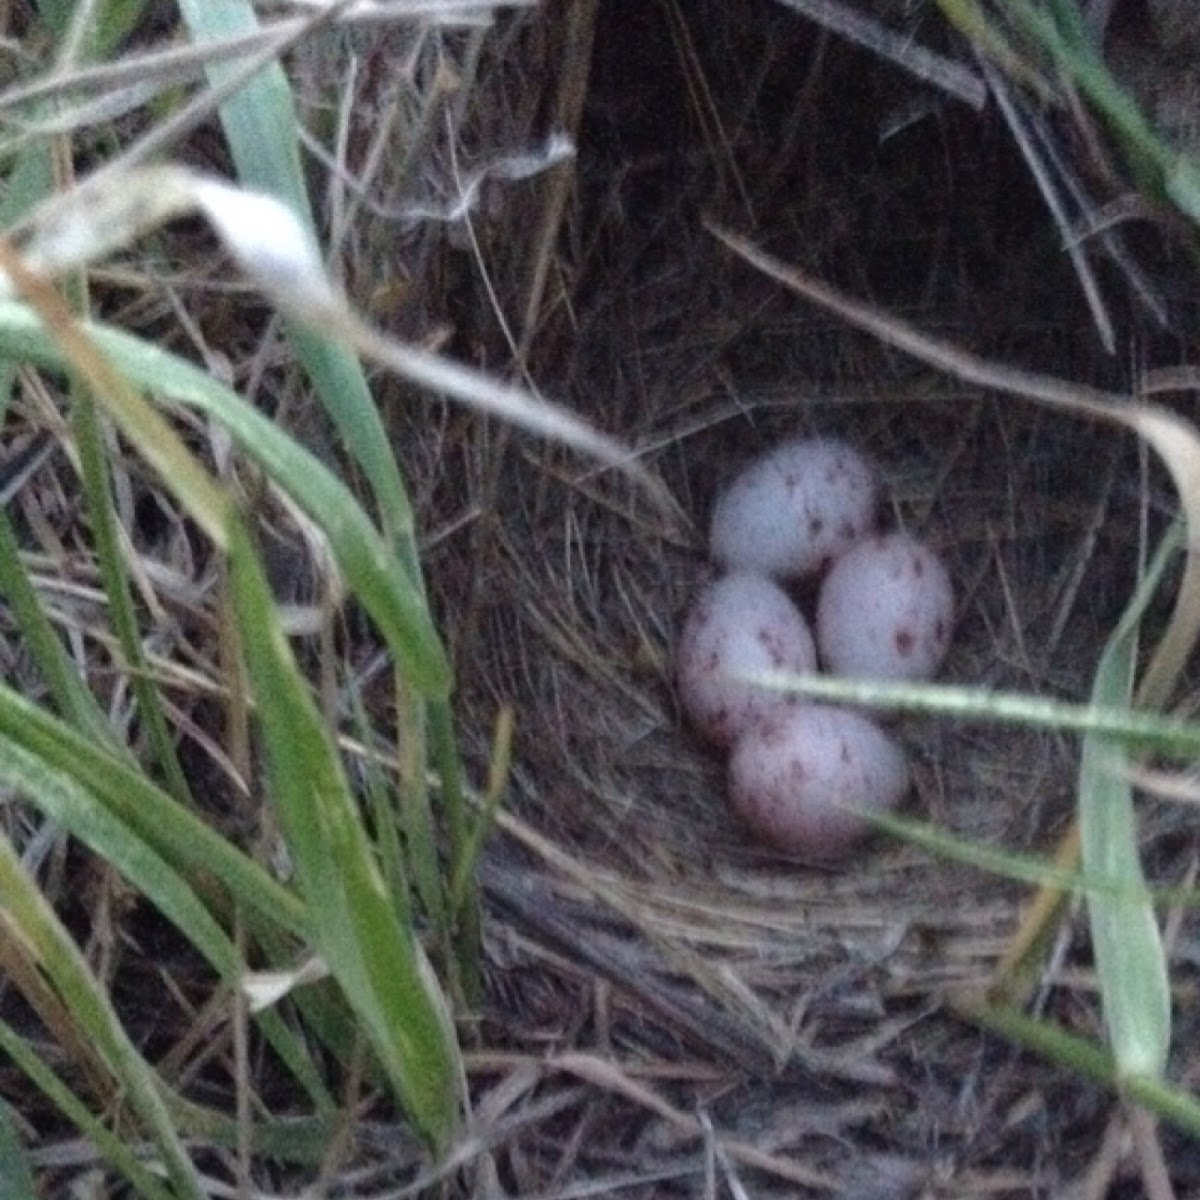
(724, 1004)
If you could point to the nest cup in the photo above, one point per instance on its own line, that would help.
(565, 598)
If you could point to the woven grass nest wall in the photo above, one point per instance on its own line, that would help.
(670, 1008)
(799, 1010)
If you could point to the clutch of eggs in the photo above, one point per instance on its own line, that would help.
(805, 777)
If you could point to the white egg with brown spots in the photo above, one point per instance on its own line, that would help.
(803, 780)
(886, 611)
(741, 625)
(792, 511)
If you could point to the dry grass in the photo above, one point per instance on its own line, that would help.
(672, 1011)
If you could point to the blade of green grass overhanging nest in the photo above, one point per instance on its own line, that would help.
(59, 673)
(174, 832)
(16, 1179)
(1172, 437)
(79, 811)
(1083, 1057)
(261, 127)
(377, 961)
(1131, 728)
(1131, 963)
(25, 914)
(1026, 868)
(113, 1148)
(370, 570)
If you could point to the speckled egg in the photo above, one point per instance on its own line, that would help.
(801, 779)
(740, 625)
(886, 611)
(795, 509)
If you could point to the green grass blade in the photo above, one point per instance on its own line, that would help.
(371, 570)
(29, 181)
(414, 815)
(117, 591)
(378, 800)
(76, 809)
(1158, 166)
(1086, 1059)
(259, 120)
(1026, 868)
(114, 1149)
(25, 914)
(1135, 730)
(171, 830)
(71, 805)
(110, 23)
(376, 960)
(291, 1139)
(1131, 962)
(261, 128)
(70, 694)
(16, 1180)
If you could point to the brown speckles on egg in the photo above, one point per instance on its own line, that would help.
(794, 508)
(801, 780)
(885, 610)
(769, 642)
(741, 625)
